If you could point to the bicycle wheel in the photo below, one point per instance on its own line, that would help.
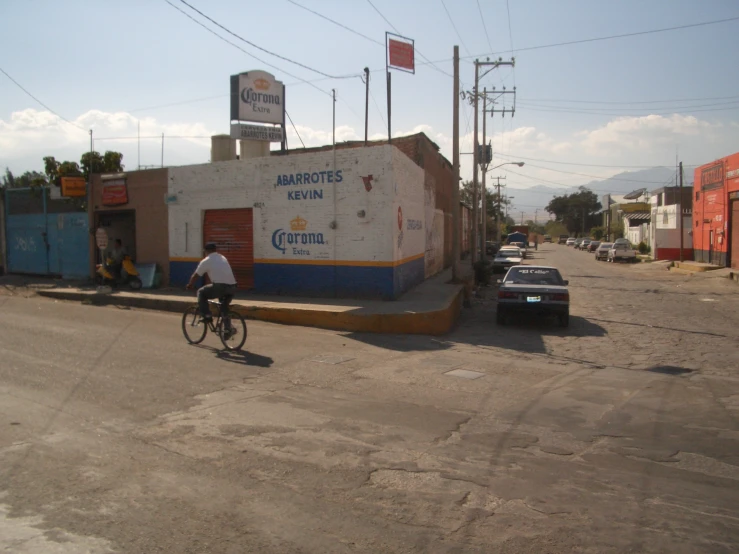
(193, 329)
(236, 337)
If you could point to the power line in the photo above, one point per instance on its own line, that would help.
(214, 22)
(629, 102)
(455, 27)
(597, 110)
(624, 35)
(482, 18)
(582, 164)
(593, 176)
(244, 51)
(510, 37)
(294, 127)
(40, 102)
(627, 114)
(337, 23)
(379, 111)
(183, 102)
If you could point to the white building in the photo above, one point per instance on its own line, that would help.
(356, 222)
(665, 228)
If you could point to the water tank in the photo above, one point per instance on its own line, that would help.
(253, 149)
(222, 148)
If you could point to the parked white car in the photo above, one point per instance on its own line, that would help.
(621, 252)
(507, 257)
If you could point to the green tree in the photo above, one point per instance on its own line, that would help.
(577, 210)
(110, 162)
(555, 228)
(25, 180)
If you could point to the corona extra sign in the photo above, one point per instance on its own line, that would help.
(257, 96)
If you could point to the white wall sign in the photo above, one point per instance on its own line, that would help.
(257, 96)
(244, 131)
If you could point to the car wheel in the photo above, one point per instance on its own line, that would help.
(500, 319)
(564, 320)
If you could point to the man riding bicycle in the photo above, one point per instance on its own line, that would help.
(222, 280)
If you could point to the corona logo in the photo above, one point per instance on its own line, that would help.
(261, 84)
(298, 224)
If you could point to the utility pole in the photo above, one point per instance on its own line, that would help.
(536, 216)
(475, 147)
(455, 172)
(484, 167)
(475, 161)
(366, 102)
(498, 221)
(521, 217)
(680, 212)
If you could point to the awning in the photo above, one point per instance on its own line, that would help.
(638, 216)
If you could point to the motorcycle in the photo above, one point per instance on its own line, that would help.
(129, 274)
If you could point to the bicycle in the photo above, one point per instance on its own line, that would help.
(230, 328)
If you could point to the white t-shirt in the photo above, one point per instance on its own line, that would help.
(217, 268)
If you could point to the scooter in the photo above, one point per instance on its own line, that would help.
(129, 274)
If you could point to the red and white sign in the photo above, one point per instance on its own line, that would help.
(101, 238)
(401, 54)
(115, 192)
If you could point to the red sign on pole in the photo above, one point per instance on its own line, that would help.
(401, 54)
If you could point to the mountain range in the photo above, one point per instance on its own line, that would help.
(530, 199)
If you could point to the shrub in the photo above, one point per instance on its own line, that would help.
(643, 248)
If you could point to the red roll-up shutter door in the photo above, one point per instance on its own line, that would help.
(735, 234)
(233, 233)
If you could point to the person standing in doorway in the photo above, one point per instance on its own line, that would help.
(117, 255)
(222, 280)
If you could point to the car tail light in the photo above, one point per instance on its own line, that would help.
(561, 297)
(507, 294)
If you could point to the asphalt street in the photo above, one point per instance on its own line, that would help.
(617, 434)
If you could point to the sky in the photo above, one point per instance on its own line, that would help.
(584, 110)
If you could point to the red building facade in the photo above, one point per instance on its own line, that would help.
(716, 212)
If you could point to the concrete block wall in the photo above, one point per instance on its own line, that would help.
(359, 257)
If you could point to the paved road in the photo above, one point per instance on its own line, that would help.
(619, 434)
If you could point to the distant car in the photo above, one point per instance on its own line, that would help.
(536, 290)
(584, 244)
(547, 238)
(522, 246)
(571, 241)
(593, 246)
(621, 252)
(562, 239)
(507, 257)
(578, 242)
(601, 253)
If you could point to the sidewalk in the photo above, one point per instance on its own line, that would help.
(431, 308)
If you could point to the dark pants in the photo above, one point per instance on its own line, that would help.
(210, 292)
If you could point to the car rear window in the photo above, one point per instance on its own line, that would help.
(606, 245)
(533, 276)
(509, 253)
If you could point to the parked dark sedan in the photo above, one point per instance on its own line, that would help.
(593, 246)
(536, 290)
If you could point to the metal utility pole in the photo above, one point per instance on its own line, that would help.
(680, 213)
(521, 218)
(455, 172)
(366, 102)
(475, 161)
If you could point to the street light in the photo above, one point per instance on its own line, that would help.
(485, 205)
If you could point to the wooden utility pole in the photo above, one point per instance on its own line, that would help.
(455, 172)
(680, 212)
(475, 161)
(498, 222)
(484, 165)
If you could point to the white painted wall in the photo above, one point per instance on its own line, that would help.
(409, 236)
(396, 182)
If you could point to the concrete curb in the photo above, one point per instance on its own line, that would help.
(433, 322)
